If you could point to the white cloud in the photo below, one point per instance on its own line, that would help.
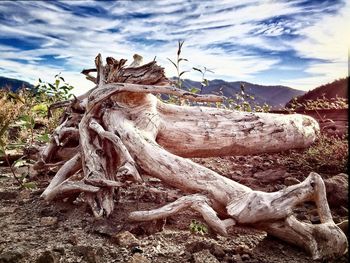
(320, 73)
(327, 40)
(78, 39)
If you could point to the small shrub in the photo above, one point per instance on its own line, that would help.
(245, 102)
(21, 111)
(319, 103)
(242, 102)
(327, 155)
(198, 228)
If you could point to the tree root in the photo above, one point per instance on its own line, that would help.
(197, 202)
(120, 130)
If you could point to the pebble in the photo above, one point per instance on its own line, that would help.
(125, 239)
(7, 210)
(337, 188)
(271, 175)
(217, 251)
(47, 257)
(13, 256)
(242, 249)
(204, 256)
(138, 258)
(237, 258)
(344, 226)
(245, 257)
(291, 181)
(89, 253)
(7, 195)
(48, 221)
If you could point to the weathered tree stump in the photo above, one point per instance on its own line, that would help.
(119, 130)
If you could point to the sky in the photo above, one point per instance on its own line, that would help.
(297, 43)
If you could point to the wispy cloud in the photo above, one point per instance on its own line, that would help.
(244, 40)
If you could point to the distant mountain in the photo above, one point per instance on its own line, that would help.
(330, 90)
(13, 84)
(275, 96)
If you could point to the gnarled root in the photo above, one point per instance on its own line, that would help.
(197, 202)
(322, 241)
(118, 130)
(258, 208)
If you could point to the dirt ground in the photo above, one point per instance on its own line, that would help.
(32, 230)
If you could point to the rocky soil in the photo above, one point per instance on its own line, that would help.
(32, 230)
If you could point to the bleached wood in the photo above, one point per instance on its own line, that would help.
(67, 170)
(125, 129)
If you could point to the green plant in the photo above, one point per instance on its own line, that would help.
(59, 90)
(177, 64)
(179, 82)
(11, 106)
(198, 228)
(37, 102)
(326, 155)
(319, 103)
(245, 102)
(242, 101)
(204, 81)
(23, 110)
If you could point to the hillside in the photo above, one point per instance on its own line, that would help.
(14, 84)
(330, 90)
(275, 96)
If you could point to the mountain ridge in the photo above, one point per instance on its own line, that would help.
(331, 90)
(274, 95)
(13, 84)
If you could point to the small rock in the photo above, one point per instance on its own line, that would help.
(48, 221)
(47, 211)
(271, 175)
(337, 188)
(291, 181)
(104, 229)
(204, 256)
(125, 239)
(24, 194)
(217, 251)
(8, 195)
(242, 249)
(136, 249)
(197, 246)
(237, 258)
(11, 256)
(238, 173)
(147, 227)
(73, 239)
(315, 219)
(7, 210)
(47, 257)
(138, 258)
(344, 226)
(257, 159)
(245, 257)
(59, 250)
(89, 254)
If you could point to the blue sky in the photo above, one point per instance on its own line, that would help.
(297, 43)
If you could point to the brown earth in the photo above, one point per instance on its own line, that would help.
(32, 230)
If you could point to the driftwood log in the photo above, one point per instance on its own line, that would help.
(120, 130)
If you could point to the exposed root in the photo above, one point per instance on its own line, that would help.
(128, 167)
(67, 188)
(119, 129)
(197, 202)
(67, 170)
